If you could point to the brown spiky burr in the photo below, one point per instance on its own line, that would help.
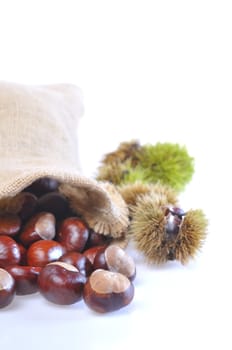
(166, 233)
(112, 172)
(192, 235)
(131, 192)
(125, 150)
(114, 165)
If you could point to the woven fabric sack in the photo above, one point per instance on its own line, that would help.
(38, 138)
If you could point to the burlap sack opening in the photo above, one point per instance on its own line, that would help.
(38, 138)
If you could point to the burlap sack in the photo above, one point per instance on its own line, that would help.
(38, 137)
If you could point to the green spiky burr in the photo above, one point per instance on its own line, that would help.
(167, 163)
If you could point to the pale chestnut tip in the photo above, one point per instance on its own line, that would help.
(104, 282)
(119, 261)
(65, 265)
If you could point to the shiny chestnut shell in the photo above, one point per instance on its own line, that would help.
(90, 253)
(97, 239)
(43, 252)
(40, 226)
(26, 278)
(80, 261)
(9, 251)
(10, 224)
(61, 283)
(26, 203)
(7, 288)
(73, 234)
(55, 203)
(107, 291)
(115, 259)
(42, 186)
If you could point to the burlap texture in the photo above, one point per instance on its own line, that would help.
(38, 137)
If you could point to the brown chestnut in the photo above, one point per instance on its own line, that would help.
(73, 234)
(9, 224)
(43, 186)
(43, 252)
(26, 205)
(115, 259)
(40, 226)
(78, 260)
(7, 288)
(96, 239)
(54, 203)
(107, 291)
(9, 251)
(23, 254)
(93, 251)
(25, 278)
(61, 283)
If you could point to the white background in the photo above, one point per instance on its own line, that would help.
(155, 71)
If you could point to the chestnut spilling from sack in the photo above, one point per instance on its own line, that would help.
(46, 247)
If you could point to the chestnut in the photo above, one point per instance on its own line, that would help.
(43, 186)
(40, 226)
(23, 254)
(78, 260)
(9, 224)
(61, 283)
(26, 203)
(73, 234)
(90, 253)
(25, 278)
(107, 291)
(96, 239)
(54, 203)
(115, 259)
(43, 252)
(9, 251)
(7, 288)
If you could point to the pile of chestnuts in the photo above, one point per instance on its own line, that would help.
(46, 247)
